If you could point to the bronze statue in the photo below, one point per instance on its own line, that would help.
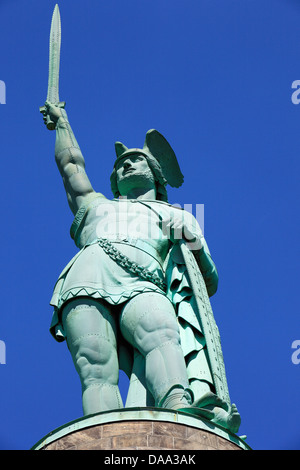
(136, 295)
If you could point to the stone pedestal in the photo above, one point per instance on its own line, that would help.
(140, 429)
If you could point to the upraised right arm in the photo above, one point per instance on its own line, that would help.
(69, 159)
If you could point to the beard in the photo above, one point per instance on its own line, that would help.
(136, 179)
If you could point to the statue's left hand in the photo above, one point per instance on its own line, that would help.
(176, 229)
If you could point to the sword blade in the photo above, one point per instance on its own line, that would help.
(54, 57)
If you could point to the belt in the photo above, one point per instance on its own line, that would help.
(130, 265)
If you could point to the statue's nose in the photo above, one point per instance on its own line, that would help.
(127, 164)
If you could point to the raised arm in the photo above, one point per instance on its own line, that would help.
(69, 159)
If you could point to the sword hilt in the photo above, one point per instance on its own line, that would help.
(50, 124)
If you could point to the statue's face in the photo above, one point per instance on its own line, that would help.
(133, 172)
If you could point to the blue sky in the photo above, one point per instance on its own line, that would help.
(215, 78)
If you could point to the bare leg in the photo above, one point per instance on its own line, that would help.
(91, 337)
(148, 322)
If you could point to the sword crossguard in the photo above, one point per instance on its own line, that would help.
(50, 124)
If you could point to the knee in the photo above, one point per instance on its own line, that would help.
(161, 332)
(95, 359)
(150, 325)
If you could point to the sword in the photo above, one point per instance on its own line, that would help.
(54, 58)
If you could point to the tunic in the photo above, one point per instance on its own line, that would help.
(133, 227)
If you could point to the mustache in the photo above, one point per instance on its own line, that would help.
(126, 170)
(146, 174)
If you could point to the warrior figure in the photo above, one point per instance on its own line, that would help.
(126, 300)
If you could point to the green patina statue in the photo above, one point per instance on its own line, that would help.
(136, 295)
